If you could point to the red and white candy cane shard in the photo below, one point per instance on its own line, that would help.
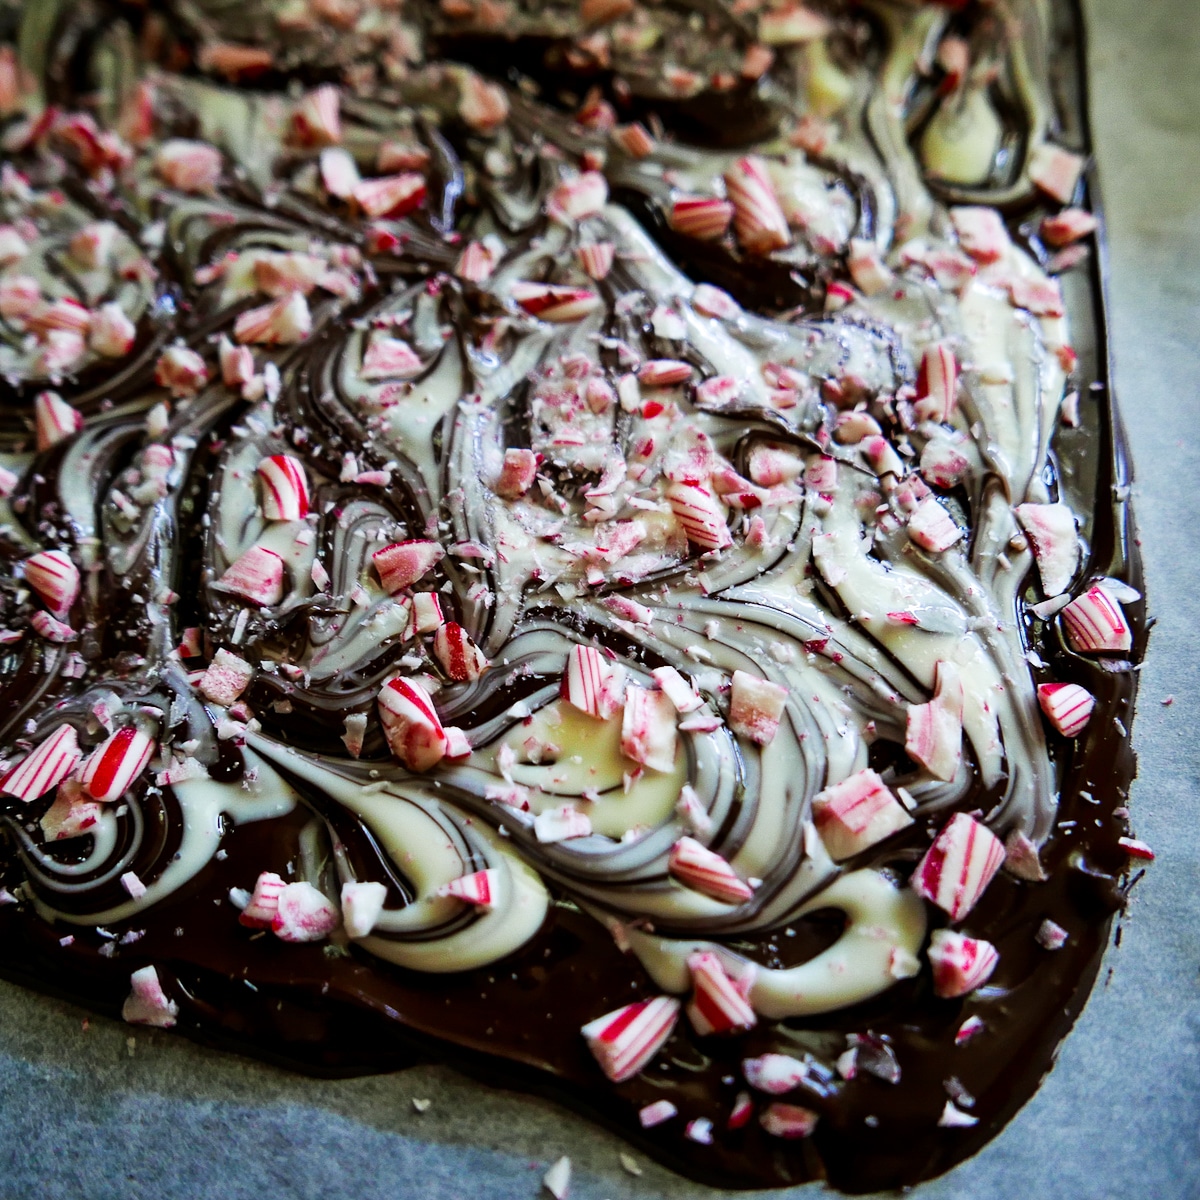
(362, 905)
(1021, 858)
(411, 724)
(561, 824)
(958, 866)
(1068, 707)
(390, 358)
(756, 707)
(304, 914)
(942, 465)
(427, 612)
(317, 120)
(256, 576)
(772, 465)
(147, 1003)
(402, 564)
(283, 322)
(933, 735)
(116, 763)
(711, 301)
(1136, 849)
(553, 302)
(1055, 171)
(856, 813)
(65, 314)
(703, 217)
(55, 578)
(70, 815)
(788, 1120)
(226, 678)
(478, 888)
(704, 870)
(625, 1040)
(20, 297)
(264, 902)
(718, 1005)
(971, 1027)
(596, 258)
(187, 165)
(574, 199)
(49, 763)
(1070, 225)
(981, 233)
(284, 488)
(699, 1130)
(180, 370)
(741, 1112)
(664, 372)
(682, 695)
(237, 363)
(821, 474)
(1042, 297)
(932, 527)
(870, 273)
(461, 659)
(92, 246)
(719, 392)
(589, 682)
(133, 884)
(339, 172)
(648, 729)
(476, 263)
(937, 383)
(634, 139)
(1051, 935)
(482, 105)
(774, 1074)
(13, 247)
(56, 420)
(758, 220)
(51, 629)
(701, 515)
(1051, 529)
(960, 963)
(1095, 623)
(112, 333)
(517, 474)
(656, 1113)
(391, 195)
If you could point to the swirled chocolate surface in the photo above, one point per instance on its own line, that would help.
(516, 477)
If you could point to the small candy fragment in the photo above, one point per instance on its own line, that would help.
(55, 578)
(283, 322)
(1070, 225)
(1051, 529)
(1136, 849)
(867, 268)
(933, 735)
(53, 631)
(92, 246)
(187, 165)
(1056, 171)
(741, 1112)
(390, 358)
(932, 527)
(304, 914)
(703, 217)
(553, 302)
(960, 963)
(756, 707)
(20, 297)
(482, 105)
(1051, 936)
(981, 233)
(391, 195)
(664, 372)
(132, 884)
(285, 488)
(478, 888)
(557, 1180)
(697, 867)
(56, 420)
(955, 1118)
(758, 219)
(70, 815)
(682, 695)
(701, 515)
(147, 1003)
(517, 474)
(937, 383)
(711, 301)
(699, 1130)
(656, 1113)
(1067, 706)
(339, 172)
(45, 767)
(958, 866)
(574, 199)
(634, 139)
(596, 259)
(1021, 858)
(411, 724)
(718, 1003)
(426, 612)
(260, 912)
(458, 654)
(257, 576)
(362, 904)
(788, 1120)
(180, 370)
(112, 333)
(476, 263)
(857, 813)
(225, 678)
(589, 682)
(648, 729)
(970, 1028)
(116, 763)
(625, 1040)
(401, 564)
(774, 1074)
(316, 120)
(1095, 623)
(561, 824)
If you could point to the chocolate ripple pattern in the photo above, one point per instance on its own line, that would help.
(628, 529)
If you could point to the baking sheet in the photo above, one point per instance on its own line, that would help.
(107, 1111)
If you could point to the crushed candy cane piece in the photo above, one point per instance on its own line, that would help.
(702, 869)
(703, 217)
(225, 678)
(402, 564)
(147, 1003)
(788, 1120)
(933, 734)
(557, 1180)
(648, 729)
(181, 370)
(458, 654)
(1055, 171)
(857, 813)
(590, 683)
(719, 1004)
(561, 824)
(188, 165)
(304, 914)
(625, 1040)
(263, 904)
(774, 1074)
(1068, 707)
(932, 527)
(756, 707)
(411, 724)
(283, 322)
(1095, 623)
(55, 578)
(56, 420)
(362, 905)
(958, 866)
(758, 219)
(656, 1113)
(45, 767)
(116, 763)
(1051, 936)
(257, 576)
(960, 963)
(477, 889)
(284, 488)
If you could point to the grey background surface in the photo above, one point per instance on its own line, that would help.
(94, 1115)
